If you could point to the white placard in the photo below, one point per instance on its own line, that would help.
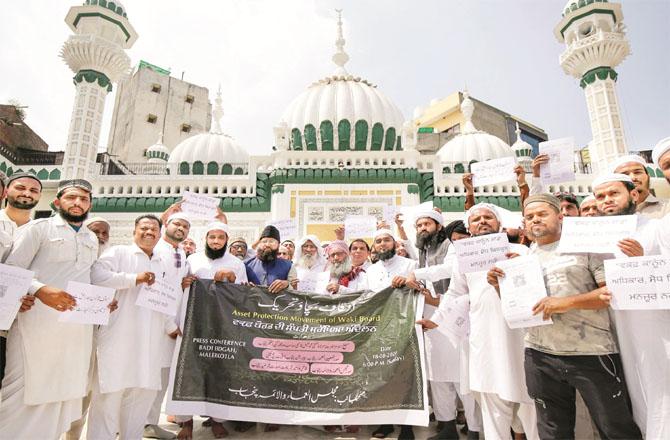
(359, 226)
(199, 206)
(456, 313)
(162, 296)
(639, 283)
(315, 282)
(560, 167)
(520, 289)
(596, 235)
(493, 171)
(389, 214)
(481, 253)
(14, 283)
(92, 304)
(288, 229)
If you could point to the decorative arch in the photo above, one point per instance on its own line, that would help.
(227, 169)
(3, 167)
(198, 167)
(296, 139)
(459, 168)
(184, 168)
(238, 171)
(310, 137)
(54, 175)
(43, 174)
(390, 139)
(361, 135)
(343, 135)
(326, 132)
(212, 168)
(377, 136)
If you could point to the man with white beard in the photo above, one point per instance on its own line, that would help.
(100, 227)
(496, 352)
(129, 358)
(344, 277)
(309, 259)
(643, 335)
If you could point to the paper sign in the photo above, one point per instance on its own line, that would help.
(14, 283)
(92, 304)
(162, 296)
(288, 228)
(390, 212)
(199, 206)
(560, 167)
(481, 253)
(520, 289)
(314, 282)
(596, 235)
(493, 171)
(639, 283)
(456, 313)
(359, 226)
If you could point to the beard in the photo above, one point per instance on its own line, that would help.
(268, 255)
(338, 270)
(307, 261)
(386, 255)
(626, 210)
(426, 239)
(70, 218)
(21, 205)
(215, 254)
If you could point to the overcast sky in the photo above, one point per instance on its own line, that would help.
(266, 52)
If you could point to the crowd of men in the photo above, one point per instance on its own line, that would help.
(509, 382)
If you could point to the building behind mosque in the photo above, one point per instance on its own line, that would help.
(341, 147)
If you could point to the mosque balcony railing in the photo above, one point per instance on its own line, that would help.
(116, 167)
(598, 37)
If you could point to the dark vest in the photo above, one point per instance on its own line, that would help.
(435, 256)
(268, 272)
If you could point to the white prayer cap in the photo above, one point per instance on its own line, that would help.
(430, 213)
(630, 158)
(380, 232)
(217, 226)
(178, 216)
(96, 220)
(589, 198)
(609, 177)
(662, 147)
(489, 206)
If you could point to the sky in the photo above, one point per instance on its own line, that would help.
(264, 53)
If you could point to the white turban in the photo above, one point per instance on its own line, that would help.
(631, 158)
(430, 213)
(490, 207)
(217, 226)
(178, 216)
(380, 232)
(589, 198)
(662, 147)
(315, 241)
(609, 177)
(96, 220)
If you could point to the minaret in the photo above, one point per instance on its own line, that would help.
(340, 57)
(594, 35)
(96, 54)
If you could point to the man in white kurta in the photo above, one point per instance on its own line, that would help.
(496, 352)
(48, 362)
(344, 277)
(129, 349)
(643, 335)
(309, 259)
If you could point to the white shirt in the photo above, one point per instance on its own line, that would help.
(129, 354)
(304, 272)
(7, 232)
(381, 273)
(204, 267)
(496, 352)
(56, 355)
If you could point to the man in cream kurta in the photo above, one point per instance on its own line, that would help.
(129, 349)
(48, 362)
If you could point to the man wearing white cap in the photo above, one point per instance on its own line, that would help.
(644, 335)
(127, 377)
(169, 249)
(588, 207)
(635, 167)
(661, 157)
(101, 228)
(309, 258)
(496, 352)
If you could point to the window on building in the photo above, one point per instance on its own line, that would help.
(151, 119)
(190, 99)
(156, 88)
(185, 128)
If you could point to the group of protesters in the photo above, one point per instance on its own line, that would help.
(501, 383)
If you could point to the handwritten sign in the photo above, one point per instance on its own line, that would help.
(162, 296)
(520, 289)
(493, 171)
(359, 226)
(639, 283)
(14, 283)
(389, 214)
(287, 228)
(560, 167)
(199, 206)
(456, 313)
(92, 304)
(597, 235)
(480, 253)
(315, 282)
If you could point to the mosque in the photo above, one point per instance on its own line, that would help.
(342, 147)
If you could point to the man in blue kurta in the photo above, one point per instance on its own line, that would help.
(271, 271)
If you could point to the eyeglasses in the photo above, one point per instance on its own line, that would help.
(177, 260)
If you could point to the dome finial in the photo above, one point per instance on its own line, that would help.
(340, 57)
(517, 131)
(217, 113)
(468, 109)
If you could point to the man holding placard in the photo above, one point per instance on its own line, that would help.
(309, 259)
(129, 355)
(568, 355)
(643, 335)
(504, 400)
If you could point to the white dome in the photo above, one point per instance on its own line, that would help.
(209, 147)
(472, 144)
(158, 152)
